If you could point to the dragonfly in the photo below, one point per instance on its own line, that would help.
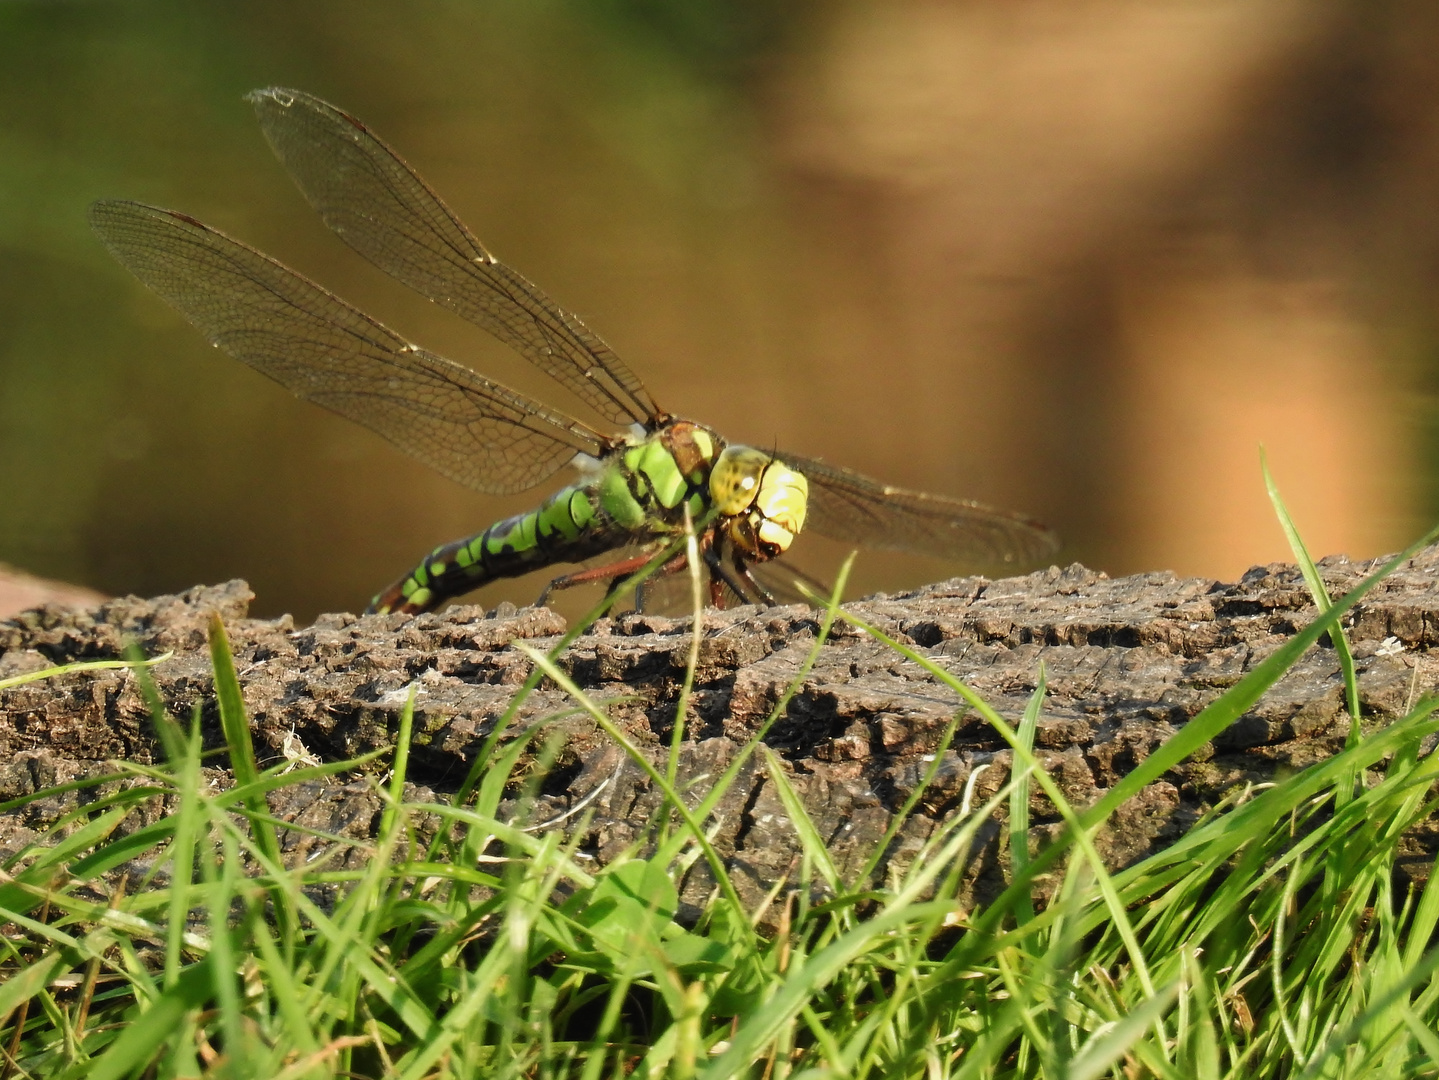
(641, 483)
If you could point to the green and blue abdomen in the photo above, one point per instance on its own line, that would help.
(639, 494)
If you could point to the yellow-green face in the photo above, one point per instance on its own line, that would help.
(764, 499)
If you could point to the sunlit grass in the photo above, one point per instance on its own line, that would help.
(1269, 941)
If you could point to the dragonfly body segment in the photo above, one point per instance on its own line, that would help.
(646, 482)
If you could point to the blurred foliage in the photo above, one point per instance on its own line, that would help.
(726, 40)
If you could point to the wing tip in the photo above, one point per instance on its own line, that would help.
(105, 213)
(280, 95)
(272, 102)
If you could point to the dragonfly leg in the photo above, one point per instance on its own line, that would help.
(718, 579)
(721, 574)
(615, 573)
(760, 591)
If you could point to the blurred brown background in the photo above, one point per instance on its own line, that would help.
(1076, 257)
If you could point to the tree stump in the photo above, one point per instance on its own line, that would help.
(1129, 661)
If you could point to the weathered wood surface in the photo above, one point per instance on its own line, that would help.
(1129, 661)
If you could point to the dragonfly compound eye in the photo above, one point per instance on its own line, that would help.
(735, 478)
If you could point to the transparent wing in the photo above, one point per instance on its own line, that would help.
(378, 205)
(786, 582)
(848, 506)
(477, 432)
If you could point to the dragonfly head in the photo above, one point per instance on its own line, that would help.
(763, 501)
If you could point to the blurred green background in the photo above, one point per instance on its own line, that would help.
(1079, 261)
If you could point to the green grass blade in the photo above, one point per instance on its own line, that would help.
(697, 609)
(620, 592)
(1426, 916)
(600, 717)
(1019, 796)
(399, 767)
(82, 665)
(182, 854)
(1103, 1053)
(49, 859)
(1078, 832)
(1350, 1033)
(236, 726)
(281, 980)
(143, 1038)
(61, 789)
(706, 807)
(810, 840)
(222, 876)
(1241, 697)
(897, 820)
(825, 965)
(31, 979)
(1316, 590)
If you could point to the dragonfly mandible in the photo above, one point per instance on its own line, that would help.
(639, 483)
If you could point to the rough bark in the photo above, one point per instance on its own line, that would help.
(1129, 661)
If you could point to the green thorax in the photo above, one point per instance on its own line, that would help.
(645, 487)
(638, 491)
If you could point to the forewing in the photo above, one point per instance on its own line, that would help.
(381, 207)
(848, 506)
(477, 432)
